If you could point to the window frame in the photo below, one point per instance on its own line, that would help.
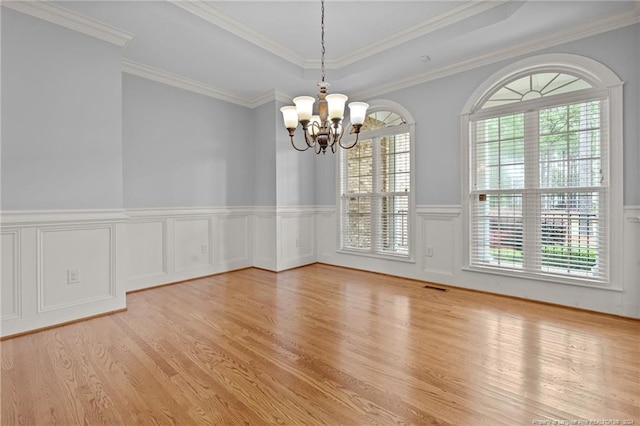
(605, 85)
(407, 127)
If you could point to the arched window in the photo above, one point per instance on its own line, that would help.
(544, 137)
(376, 179)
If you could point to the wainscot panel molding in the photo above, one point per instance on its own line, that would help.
(285, 236)
(632, 214)
(439, 249)
(60, 250)
(192, 242)
(48, 217)
(441, 212)
(264, 238)
(168, 245)
(631, 261)
(186, 211)
(438, 237)
(11, 282)
(327, 235)
(296, 235)
(148, 243)
(233, 236)
(60, 266)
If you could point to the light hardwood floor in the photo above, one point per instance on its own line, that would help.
(325, 345)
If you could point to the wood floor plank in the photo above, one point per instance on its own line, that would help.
(323, 345)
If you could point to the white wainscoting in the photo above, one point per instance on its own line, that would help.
(87, 249)
(233, 236)
(284, 237)
(192, 245)
(59, 266)
(171, 245)
(62, 266)
(438, 245)
(438, 242)
(11, 282)
(631, 300)
(264, 239)
(327, 237)
(148, 242)
(295, 233)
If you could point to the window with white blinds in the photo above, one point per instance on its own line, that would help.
(538, 182)
(376, 187)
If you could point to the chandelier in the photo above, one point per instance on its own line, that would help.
(323, 130)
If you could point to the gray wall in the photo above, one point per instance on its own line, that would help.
(634, 198)
(76, 134)
(283, 176)
(61, 118)
(295, 171)
(182, 149)
(264, 130)
(436, 106)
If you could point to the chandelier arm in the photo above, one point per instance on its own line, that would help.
(350, 146)
(295, 147)
(333, 142)
(338, 137)
(310, 143)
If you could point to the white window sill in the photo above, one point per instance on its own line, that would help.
(552, 279)
(395, 258)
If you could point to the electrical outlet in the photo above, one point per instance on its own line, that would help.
(204, 248)
(297, 242)
(73, 276)
(428, 251)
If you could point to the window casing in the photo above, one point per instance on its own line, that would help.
(541, 188)
(376, 200)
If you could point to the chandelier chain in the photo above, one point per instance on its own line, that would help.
(322, 38)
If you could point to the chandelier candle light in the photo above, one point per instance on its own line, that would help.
(323, 130)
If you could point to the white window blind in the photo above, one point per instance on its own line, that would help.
(375, 190)
(539, 188)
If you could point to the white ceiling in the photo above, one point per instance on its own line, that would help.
(246, 49)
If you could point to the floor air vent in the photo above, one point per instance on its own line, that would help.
(430, 287)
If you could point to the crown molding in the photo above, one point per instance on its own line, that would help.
(175, 80)
(603, 25)
(214, 16)
(442, 20)
(270, 96)
(596, 27)
(58, 15)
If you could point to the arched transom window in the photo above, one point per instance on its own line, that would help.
(535, 86)
(381, 119)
